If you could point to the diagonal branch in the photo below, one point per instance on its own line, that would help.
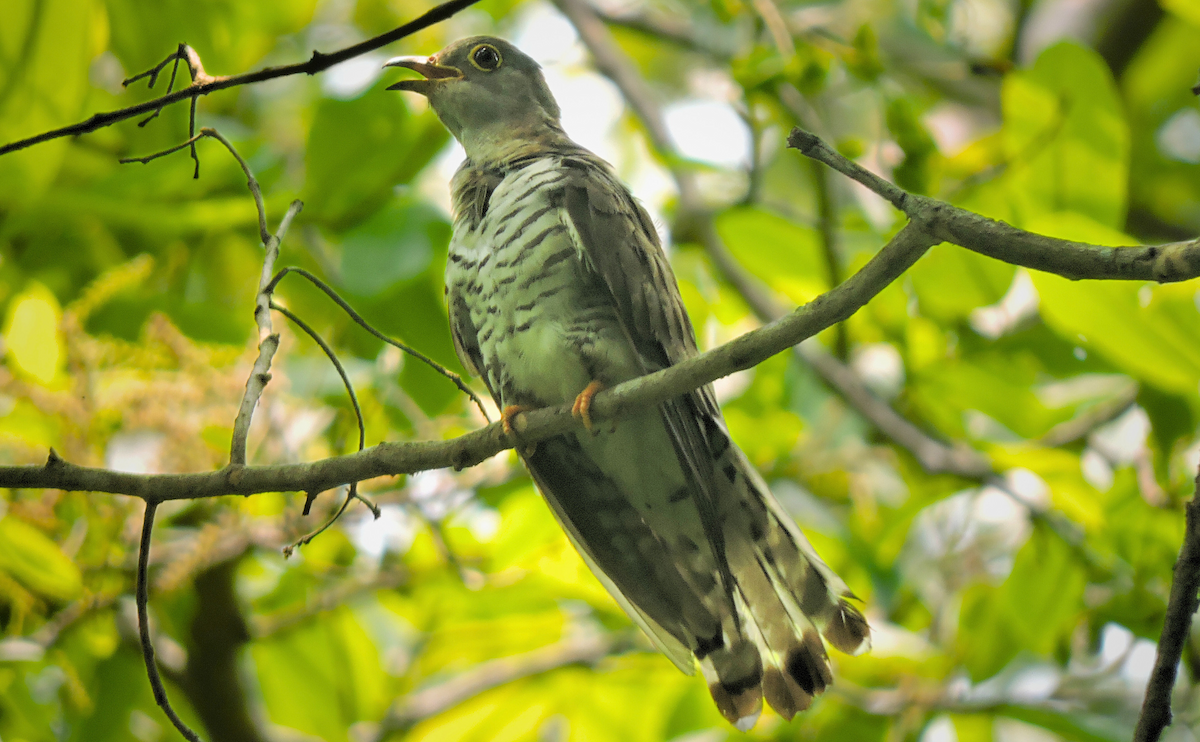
(467, 450)
(267, 345)
(208, 84)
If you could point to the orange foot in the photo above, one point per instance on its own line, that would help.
(508, 420)
(509, 415)
(583, 403)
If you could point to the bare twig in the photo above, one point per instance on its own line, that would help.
(206, 84)
(1176, 261)
(268, 341)
(143, 598)
(467, 450)
(362, 430)
(1181, 606)
(586, 649)
(458, 381)
(251, 182)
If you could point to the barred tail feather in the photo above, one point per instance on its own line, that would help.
(788, 597)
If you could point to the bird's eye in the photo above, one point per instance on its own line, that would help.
(486, 57)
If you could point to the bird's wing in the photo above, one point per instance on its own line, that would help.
(777, 594)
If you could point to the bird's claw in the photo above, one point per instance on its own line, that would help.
(582, 408)
(513, 425)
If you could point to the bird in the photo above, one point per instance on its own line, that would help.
(557, 287)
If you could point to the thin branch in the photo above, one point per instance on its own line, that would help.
(435, 699)
(1181, 606)
(1079, 427)
(1176, 261)
(362, 428)
(143, 599)
(251, 182)
(305, 540)
(268, 339)
(458, 381)
(467, 450)
(318, 62)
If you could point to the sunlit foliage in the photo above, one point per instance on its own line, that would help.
(1001, 612)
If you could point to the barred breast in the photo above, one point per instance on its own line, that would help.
(543, 327)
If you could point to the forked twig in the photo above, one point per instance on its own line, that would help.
(251, 182)
(362, 429)
(205, 84)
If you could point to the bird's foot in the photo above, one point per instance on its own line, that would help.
(513, 425)
(582, 408)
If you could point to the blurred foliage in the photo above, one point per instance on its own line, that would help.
(127, 292)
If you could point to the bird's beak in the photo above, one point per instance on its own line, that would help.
(432, 71)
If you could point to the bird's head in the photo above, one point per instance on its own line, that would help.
(490, 95)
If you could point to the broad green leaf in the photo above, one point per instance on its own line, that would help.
(951, 281)
(1066, 137)
(786, 255)
(1149, 331)
(1034, 610)
(359, 150)
(1185, 9)
(31, 334)
(43, 80)
(394, 244)
(32, 559)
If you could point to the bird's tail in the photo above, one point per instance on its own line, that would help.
(786, 599)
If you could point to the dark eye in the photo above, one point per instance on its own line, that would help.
(485, 57)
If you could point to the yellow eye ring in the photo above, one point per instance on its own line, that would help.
(485, 57)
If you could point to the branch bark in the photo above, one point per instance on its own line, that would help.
(402, 458)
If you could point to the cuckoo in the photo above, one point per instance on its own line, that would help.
(557, 287)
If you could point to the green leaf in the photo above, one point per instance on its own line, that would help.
(784, 254)
(1065, 137)
(395, 244)
(1149, 331)
(33, 560)
(1034, 610)
(359, 150)
(951, 281)
(31, 334)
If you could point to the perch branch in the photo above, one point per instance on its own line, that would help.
(467, 450)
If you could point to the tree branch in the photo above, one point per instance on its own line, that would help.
(1181, 606)
(1175, 261)
(434, 700)
(402, 458)
(206, 84)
